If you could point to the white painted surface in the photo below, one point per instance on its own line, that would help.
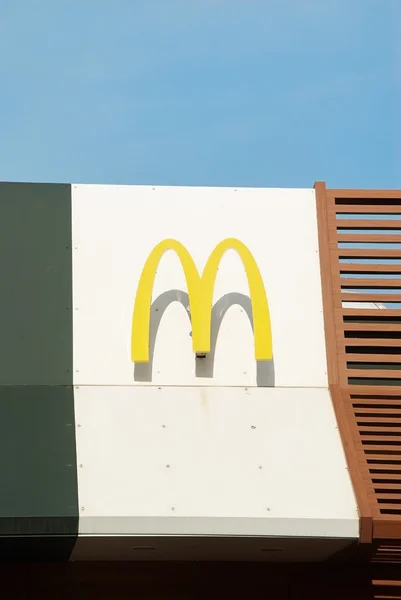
(211, 461)
(114, 230)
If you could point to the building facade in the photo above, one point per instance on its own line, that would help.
(200, 377)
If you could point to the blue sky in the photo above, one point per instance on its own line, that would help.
(201, 92)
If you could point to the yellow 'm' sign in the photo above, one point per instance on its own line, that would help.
(200, 292)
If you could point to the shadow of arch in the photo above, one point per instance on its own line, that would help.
(204, 367)
(143, 371)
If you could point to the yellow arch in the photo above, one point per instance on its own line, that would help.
(257, 293)
(200, 292)
(143, 300)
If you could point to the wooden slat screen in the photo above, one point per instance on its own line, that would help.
(372, 225)
(360, 247)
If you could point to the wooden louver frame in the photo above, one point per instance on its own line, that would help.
(364, 344)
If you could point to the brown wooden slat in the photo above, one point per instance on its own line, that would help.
(387, 526)
(392, 432)
(364, 390)
(366, 268)
(367, 253)
(381, 209)
(377, 396)
(373, 297)
(371, 358)
(373, 447)
(362, 194)
(388, 455)
(366, 238)
(380, 452)
(371, 342)
(393, 373)
(385, 327)
(351, 282)
(396, 417)
(387, 582)
(376, 373)
(396, 485)
(380, 456)
(381, 561)
(385, 496)
(384, 467)
(367, 224)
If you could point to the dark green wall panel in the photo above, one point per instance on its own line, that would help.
(36, 284)
(38, 475)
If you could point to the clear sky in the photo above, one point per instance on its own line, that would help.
(201, 92)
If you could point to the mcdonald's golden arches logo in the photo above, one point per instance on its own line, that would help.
(200, 293)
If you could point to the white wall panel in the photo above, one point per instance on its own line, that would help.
(212, 461)
(114, 230)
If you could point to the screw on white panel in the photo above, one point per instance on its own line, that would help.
(77, 387)
(260, 466)
(164, 427)
(82, 507)
(268, 509)
(79, 425)
(173, 508)
(167, 466)
(253, 426)
(80, 466)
